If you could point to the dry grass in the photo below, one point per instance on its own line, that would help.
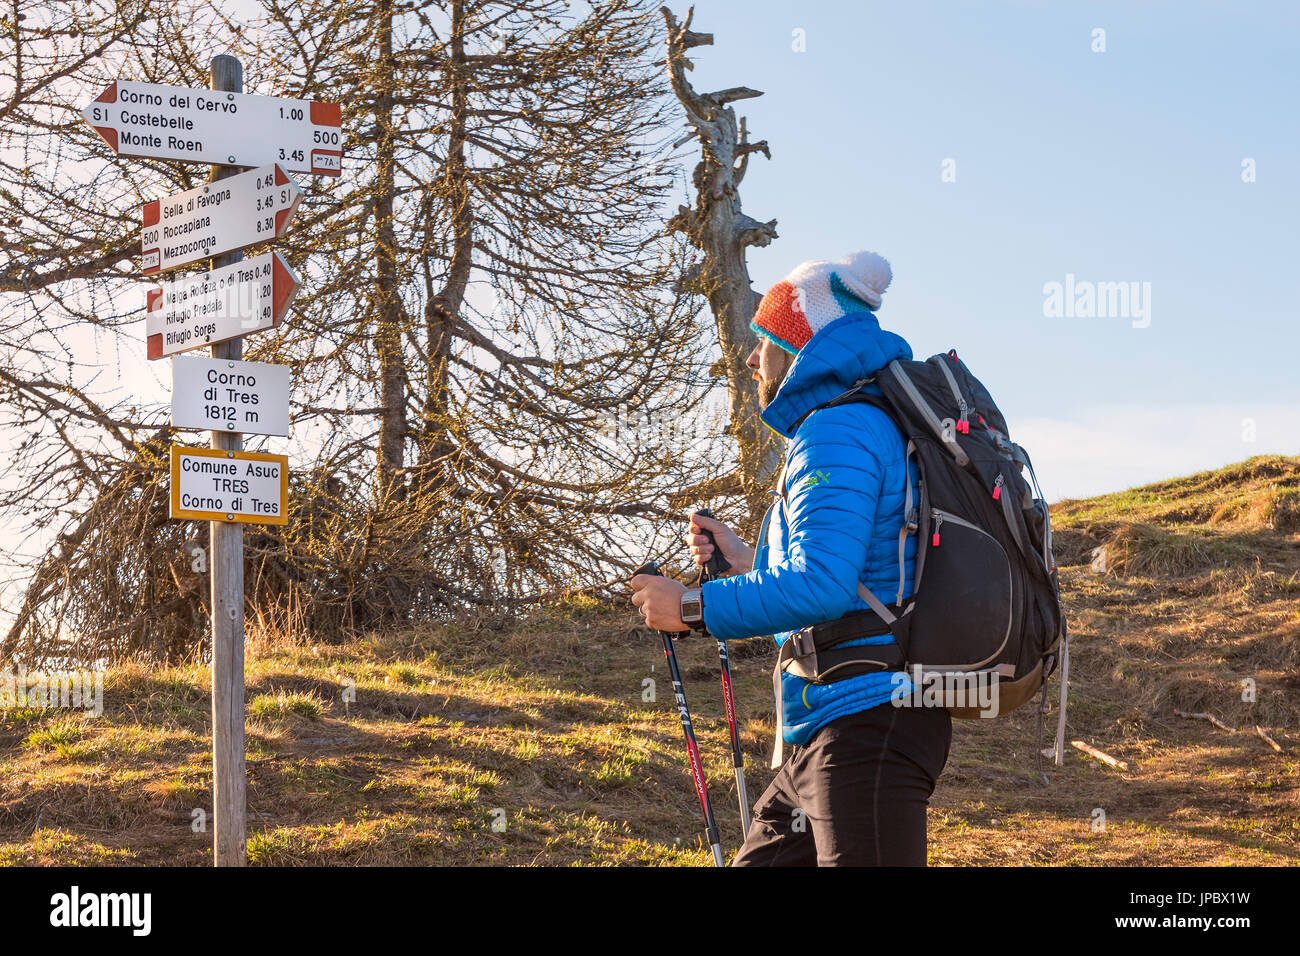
(541, 726)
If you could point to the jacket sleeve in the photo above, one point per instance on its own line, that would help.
(834, 482)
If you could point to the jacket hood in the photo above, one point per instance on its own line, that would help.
(851, 348)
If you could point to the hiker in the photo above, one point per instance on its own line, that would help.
(855, 784)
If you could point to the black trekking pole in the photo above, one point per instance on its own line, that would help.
(708, 571)
(692, 749)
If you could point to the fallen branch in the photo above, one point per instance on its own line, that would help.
(1232, 730)
(1267, 739)
(1094, 752)
(1210, 717)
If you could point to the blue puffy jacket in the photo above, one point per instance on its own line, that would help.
(846, 494)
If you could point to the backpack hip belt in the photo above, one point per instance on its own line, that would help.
(817, 654)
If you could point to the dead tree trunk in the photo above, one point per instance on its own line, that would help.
(718, 228)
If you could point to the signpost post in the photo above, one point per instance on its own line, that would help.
(229, 798)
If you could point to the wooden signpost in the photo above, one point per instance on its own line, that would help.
(239, 207)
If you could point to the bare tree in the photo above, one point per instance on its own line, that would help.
(498, 398)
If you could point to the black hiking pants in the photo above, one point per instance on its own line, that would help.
(854, 795)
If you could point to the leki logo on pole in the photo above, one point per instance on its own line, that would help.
(681, 702)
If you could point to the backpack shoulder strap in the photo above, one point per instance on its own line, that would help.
(855, 394)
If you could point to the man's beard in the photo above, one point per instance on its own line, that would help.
(767, 388)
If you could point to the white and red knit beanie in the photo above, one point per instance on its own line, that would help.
(817, 293)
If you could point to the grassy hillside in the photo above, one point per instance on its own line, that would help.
(543, 726)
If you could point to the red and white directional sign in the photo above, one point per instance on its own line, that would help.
(194, 311)
(225, 129)
(225, 395)
(217, 217)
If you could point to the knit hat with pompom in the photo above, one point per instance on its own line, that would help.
(816, 294)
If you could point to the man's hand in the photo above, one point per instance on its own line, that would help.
(660, 601)
(737, 553)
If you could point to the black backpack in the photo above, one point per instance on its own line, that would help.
(985, 597)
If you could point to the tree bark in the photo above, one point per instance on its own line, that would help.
(388, 338)
(717, 227)
(442, 309)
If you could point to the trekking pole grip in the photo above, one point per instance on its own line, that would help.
(717, 564)
(650, 567)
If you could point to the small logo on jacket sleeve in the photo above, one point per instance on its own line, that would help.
(819, 477)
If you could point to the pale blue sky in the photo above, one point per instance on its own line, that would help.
(1123, 165)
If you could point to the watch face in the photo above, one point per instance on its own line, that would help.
(690, 609)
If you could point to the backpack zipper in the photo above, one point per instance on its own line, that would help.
(941, 516)
(963, 422)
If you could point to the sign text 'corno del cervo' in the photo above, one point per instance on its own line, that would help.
(223, 129)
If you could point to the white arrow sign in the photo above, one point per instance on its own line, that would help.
(225, 129)
(237, 299)
(225, 395)
(217, 217)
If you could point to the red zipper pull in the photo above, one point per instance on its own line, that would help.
(997, 488)
(938, 522)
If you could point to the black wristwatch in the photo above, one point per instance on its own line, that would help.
(693, 608)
